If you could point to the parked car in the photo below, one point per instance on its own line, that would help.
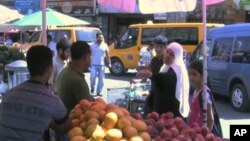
(229, 63)
(125, 51)
(74, 34)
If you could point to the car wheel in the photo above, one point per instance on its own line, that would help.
(239, 98)
(117, 67)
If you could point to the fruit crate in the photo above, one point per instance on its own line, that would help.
(132, 97)
(118, 96)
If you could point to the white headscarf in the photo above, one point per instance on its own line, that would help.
(182, 85)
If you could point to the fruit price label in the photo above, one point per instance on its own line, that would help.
(239, 132)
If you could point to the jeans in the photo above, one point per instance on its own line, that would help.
(97, 71)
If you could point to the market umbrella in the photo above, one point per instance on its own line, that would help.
(8, 14)
(54, 18)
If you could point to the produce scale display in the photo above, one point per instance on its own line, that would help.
(98, 121)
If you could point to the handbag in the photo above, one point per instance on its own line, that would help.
(217, 130)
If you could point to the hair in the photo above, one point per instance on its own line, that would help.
(197, 65)
(49, 37)
(98, 34)
(79, 49)
(62, 44)
(160, 39)
(39, 58)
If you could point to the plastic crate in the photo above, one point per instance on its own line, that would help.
(119, 96)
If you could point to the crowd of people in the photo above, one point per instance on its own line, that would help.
(58, 83)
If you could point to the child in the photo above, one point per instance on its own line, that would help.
(196, 79)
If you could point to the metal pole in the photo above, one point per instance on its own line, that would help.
(44, 22)
(204, 16)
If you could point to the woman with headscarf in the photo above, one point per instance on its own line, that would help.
(171, 89)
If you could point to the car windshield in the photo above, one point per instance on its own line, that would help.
(88, 35)
(130, 33)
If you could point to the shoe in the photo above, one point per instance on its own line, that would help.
(99, 94)
(92, 91)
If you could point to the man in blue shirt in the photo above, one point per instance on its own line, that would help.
(27, 110)
(99, 52)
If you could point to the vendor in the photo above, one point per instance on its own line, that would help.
(171, 88)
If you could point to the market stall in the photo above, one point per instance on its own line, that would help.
(99, 121)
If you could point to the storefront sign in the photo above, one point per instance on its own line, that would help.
(245, 4)
(160, 16)
(27, 6)
(73, 8)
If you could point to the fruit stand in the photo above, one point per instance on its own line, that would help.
(99, 121)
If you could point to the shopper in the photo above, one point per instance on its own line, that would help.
(71, 84)
(155, 66)
(196, 78)
(51, 44)
(146, 55)
(60, 60)
(171, 88)
(29, 109)
(100, 55)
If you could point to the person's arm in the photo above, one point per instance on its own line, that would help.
(210, 113)
(53, 76)
(108, 56)
(60, 122)
(210, 117)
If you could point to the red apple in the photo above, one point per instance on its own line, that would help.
(210, 137)
(160, 125)
(174, 131)
(174, 139)
(204, 131)
(153, 132)
(150, 122)
(158, 138)
(166, 134)
(155, 116)
(137, 116)
(199, 137)
(169, 123)
(189, 132)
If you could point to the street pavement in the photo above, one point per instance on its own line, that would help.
(228, 115)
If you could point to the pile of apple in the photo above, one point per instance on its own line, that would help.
(166, 127)
(98, 121)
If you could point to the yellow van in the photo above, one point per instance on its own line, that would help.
(74, 34)
(125, 51)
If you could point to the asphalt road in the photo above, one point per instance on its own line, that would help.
(228, 116)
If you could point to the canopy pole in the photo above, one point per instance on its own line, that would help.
(44, 22)
(204, 20)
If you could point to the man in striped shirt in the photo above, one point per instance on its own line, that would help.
(30, 108)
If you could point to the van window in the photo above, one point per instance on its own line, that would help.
(128, 39)
(149, 34)
(198, 54)
(241, 51)
(222, 49)
(182, 35)
(59, 34)
(88, 35)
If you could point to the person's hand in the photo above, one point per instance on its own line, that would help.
(109, 65)
(145, 73)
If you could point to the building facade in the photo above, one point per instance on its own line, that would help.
(113, 22)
